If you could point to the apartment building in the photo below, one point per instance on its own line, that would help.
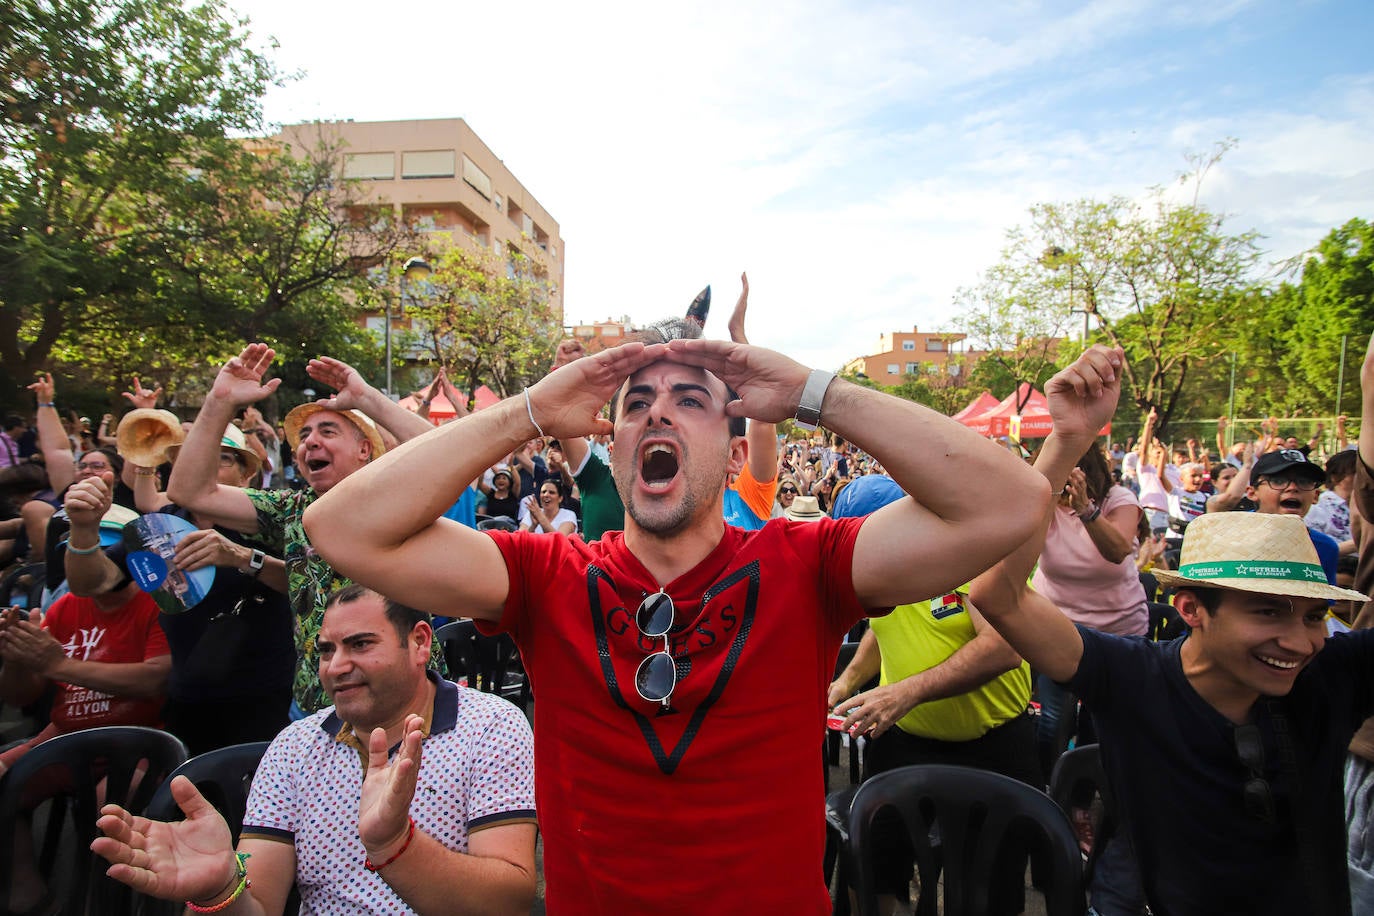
(902, 352)
(439, 174)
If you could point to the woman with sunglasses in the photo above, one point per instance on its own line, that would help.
(787, 491)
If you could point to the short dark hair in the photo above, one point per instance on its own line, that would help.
(402, 617)
(738, 425)
(12, 420)
(1209, 598)
(1340, 466)
(557, 483)
(111, 455)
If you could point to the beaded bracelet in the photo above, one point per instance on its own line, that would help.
(83, 551)
(410, 835)
(241, 872)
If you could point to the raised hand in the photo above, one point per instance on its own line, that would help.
(207, 547)
(88, 500)
(189, 860)
(240, 380)
(736, 324)
(342, 377)
(1082, 397)
(142, 397)
(568, 402)
(568, 351)
(43, 388)
(769, 384)
(384, 811)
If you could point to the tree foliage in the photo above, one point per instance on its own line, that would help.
(102, 105)
(1161, 279)
(486, 320)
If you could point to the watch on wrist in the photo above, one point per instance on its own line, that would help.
(808, 414)
(255, 563)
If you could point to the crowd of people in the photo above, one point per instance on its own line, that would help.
(678, 578)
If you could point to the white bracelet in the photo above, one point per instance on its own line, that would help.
(529, 409)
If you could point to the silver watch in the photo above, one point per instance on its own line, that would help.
(809, 408)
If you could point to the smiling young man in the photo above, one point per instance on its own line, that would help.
(332, 439)
(1224, 749)
(681, 667)
(440, 823)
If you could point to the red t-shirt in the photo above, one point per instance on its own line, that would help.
(717, 806)
(130, 634)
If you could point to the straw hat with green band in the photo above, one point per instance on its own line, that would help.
(232, 439)
(1252, 552)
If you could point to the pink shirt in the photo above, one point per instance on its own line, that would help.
(1088, 589)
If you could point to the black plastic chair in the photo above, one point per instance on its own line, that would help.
(1165, 623)
(488, 663)
(71, 774)
(223, 776)
(987, 823)
(1077, 777)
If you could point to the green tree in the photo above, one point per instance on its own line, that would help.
(102, 105)
(1161, 279)
(1333, 300)
(486, 320)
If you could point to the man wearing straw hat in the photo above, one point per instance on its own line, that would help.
(1224, 749)
(332, 439)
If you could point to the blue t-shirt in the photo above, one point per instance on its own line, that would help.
(738, 513)
(464, 511)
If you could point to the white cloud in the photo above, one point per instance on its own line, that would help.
(862, 161)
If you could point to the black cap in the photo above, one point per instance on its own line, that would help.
(1287, 461)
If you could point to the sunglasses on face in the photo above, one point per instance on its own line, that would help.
(657, 674)
(788, 491)
(1259, 797)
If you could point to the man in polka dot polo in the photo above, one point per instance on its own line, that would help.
(345, 806)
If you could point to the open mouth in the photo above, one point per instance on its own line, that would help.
(1278, 663)
(658, 465)
(1291, 503)
(316, 464)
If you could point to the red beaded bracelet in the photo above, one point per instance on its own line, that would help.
(410, 835)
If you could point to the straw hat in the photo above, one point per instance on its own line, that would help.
(298, 415)
(233, 439)
(1252, 552)
(144, 434)
(804, 509)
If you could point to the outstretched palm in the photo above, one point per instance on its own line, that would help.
(240, 380)
(189, 860)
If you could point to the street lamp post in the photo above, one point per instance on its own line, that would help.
(414, 269)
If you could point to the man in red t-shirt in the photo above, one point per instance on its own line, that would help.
(107, 655)
(681, 666)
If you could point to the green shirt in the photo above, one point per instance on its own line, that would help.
(602, 509)
(309, 581)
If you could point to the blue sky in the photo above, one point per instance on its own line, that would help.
(861, 160)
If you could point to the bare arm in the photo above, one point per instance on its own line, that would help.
(382, 542)
(1081, 399)
(147, 497)
(52, 436)
(1113, 533)
(194, 484)
(1235, 490)
(354, 393)
(975, 663)
(89, 574)
(964, 511)
(147, 678)
(763, 437)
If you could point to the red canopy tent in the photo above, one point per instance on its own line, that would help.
(484, 397)
(440, 409)
(979, 405)
(1035, 422)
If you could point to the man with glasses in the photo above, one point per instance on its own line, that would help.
(680, 668)
(1224, 749)
(1284, 482)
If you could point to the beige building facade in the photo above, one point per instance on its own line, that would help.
(439, 175)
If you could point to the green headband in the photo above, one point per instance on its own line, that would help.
(1255, 569)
